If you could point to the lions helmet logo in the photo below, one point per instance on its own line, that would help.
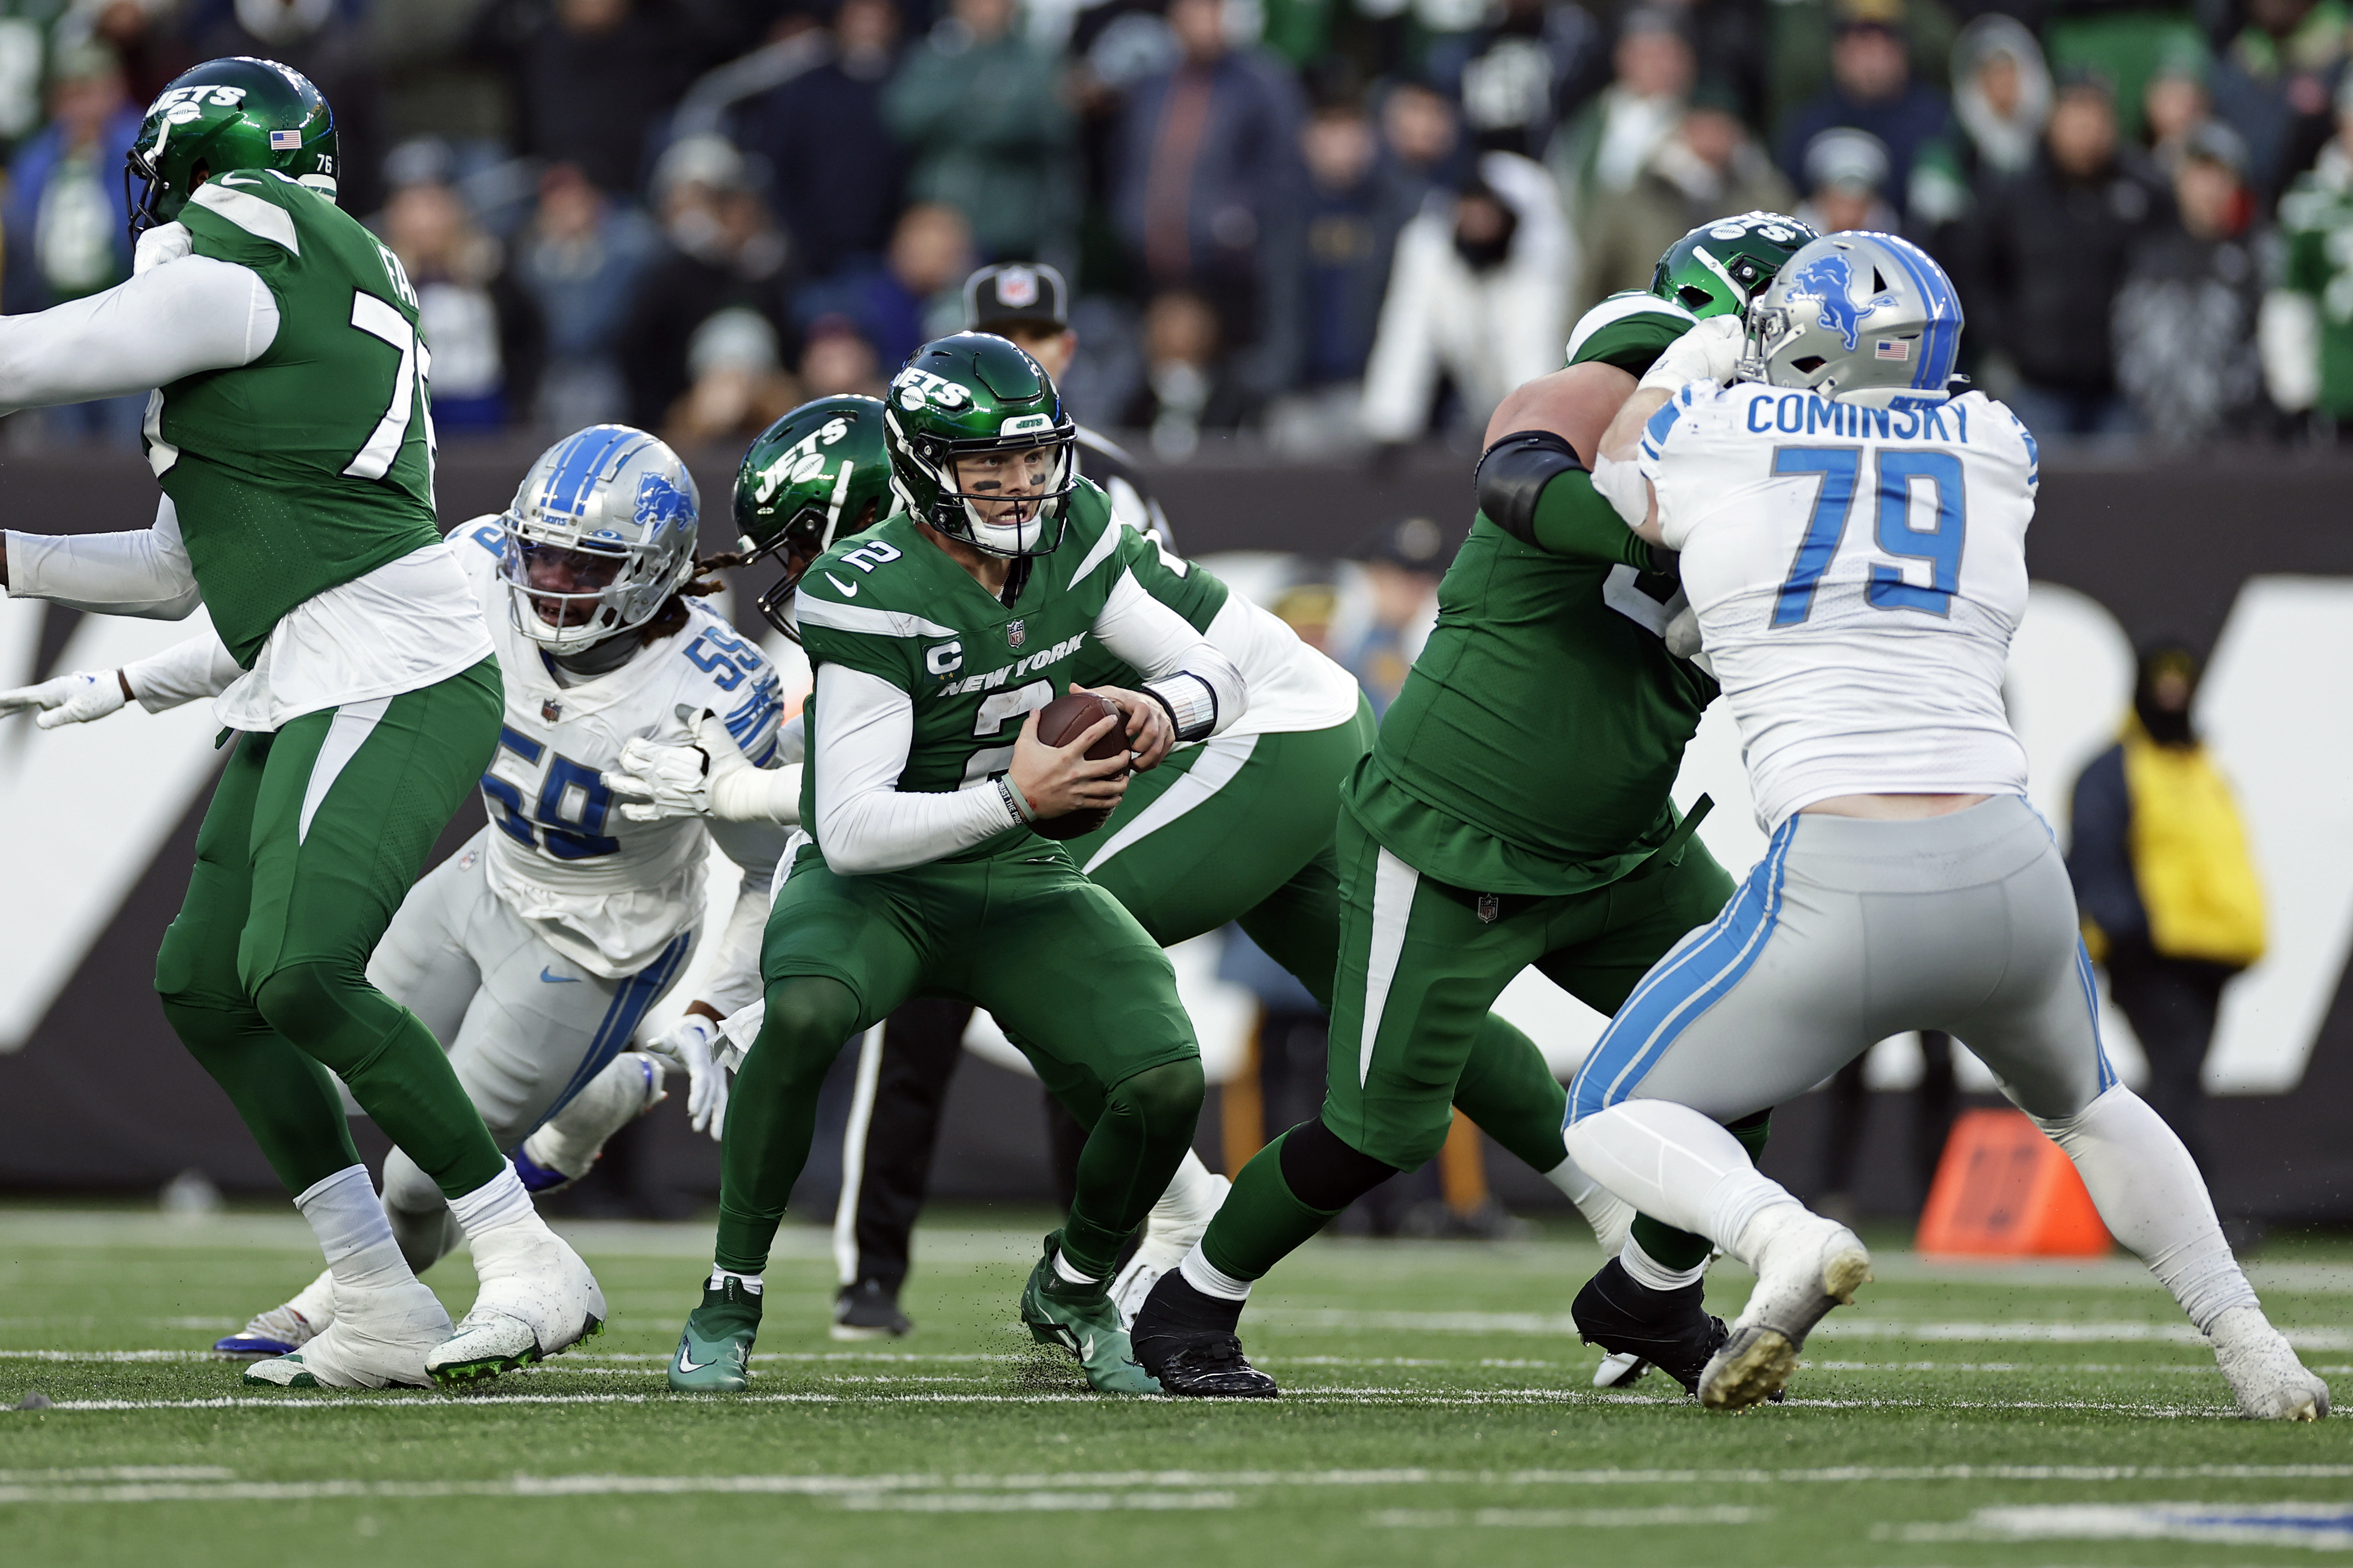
(1828, 281)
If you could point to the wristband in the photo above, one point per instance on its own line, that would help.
(1192, 708)
(1019, 807)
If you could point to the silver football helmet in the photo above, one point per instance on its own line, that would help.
(1865, 318)
(601, 533)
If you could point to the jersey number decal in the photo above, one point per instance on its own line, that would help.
(995, 708)
(409, 397)
(566, 819)
(727, 660)
(1940, 545)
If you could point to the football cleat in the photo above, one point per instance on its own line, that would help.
(1186, 1339)
(1168, 1237)
(1619, 1371)
(284, 1329)
(1666, 1329)
(537, 1300)
(714, 1350)
(2265, 1377)
(1082, 1320)
(867, 1311)
(563, 1148)
(1813, 1264)
(380, 1339)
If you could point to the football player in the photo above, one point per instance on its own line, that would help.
(1514, 810)
(534, 950)
(934, 636)
(1907, 883)
(293, 435)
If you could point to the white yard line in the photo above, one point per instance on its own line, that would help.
(2023, 1331)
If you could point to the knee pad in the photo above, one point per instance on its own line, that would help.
(1162, 1098)
(306, 1002)
(809, 1018)
(1326, 1173)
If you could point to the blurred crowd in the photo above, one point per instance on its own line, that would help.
(1341, 224)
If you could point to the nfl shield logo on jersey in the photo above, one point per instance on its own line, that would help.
(551, 711)
(1015, 634)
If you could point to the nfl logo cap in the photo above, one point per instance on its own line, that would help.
(1016, 293)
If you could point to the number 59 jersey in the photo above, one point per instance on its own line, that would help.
(1858, 573)
(607, 892)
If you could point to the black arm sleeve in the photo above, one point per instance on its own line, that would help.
(1513, 474)
(1519, 494)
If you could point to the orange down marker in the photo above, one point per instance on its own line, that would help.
(2003, 1189)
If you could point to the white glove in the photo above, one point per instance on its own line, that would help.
(712, 777)
(75, 699)
(163, 243)
(689, 1046)
(661, 781)
(1710, 351)
(1683, 639)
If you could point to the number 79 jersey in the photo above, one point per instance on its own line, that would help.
(1858, 573)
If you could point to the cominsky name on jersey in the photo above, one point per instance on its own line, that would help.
(1809, 414)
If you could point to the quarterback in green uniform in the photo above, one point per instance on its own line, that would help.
(292, 437)
(934, 636)
(1515, 811)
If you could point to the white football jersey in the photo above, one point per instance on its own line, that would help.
(1858, 573)
(608, 893)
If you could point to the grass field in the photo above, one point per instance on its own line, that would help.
(1438, 1411)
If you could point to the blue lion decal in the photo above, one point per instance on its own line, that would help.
(661, 504)
(1829, 281)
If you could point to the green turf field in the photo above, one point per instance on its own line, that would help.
(1438, 1411)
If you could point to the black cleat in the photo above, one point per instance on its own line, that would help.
(867, 1311)
(1186, 1339)
(1668, 1329)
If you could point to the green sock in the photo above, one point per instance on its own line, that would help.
(772, 1113)
(1508, 1091)
(1673, 1249)
(1261, 1221)
(1130, 1155)
(285, 1099)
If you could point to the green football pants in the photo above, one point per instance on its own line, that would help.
(1083, 988)
(313, 837)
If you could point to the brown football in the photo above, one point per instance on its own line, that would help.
(1061, 721)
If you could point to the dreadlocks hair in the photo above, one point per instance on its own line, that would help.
(671, 619)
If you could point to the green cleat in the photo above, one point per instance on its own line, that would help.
(714, 1352)
(1083, 1321)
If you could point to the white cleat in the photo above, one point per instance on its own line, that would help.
(282, 1329)
(379, 1339)
(1813, 1264)
(537, 1300)
(2265, 1377)
(560, 1152)
(1619, 1369)
(1167, 1239)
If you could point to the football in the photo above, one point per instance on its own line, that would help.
(1061, 721)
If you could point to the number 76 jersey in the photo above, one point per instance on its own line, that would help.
(1858, 573)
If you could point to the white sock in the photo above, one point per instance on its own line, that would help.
(498, 1202)
(1068, 1275)
(354, 1232)
(2150, 1196)
(1677, 1166)
(1645, 1269)
(1191, 1198)
(751, 1282)
(1605, 1211)
(1211, 1281)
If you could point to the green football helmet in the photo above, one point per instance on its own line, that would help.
(974, 398)
(1718, 267)
(232, 113)
(819, 474)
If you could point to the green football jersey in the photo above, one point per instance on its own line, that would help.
(1630, 329)
(312, 465)
(894, 604)
(1183, 587)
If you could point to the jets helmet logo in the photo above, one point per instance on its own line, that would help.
(916, 388)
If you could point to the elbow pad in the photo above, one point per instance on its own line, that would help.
(1513, 474)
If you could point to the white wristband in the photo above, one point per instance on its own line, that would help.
(1191, 701)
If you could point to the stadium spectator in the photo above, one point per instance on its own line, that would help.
(1533, 62)
(1799, 37)
(2170, 901)
(2185, 319)
(833, 169)
(67, 227)
(593, 78)
(838, 362)
(2307, 321)
(1475, 298)
(2001, 97)
(1846, 185)
(1205, 170)
(1356, 204)
(1420, 136)
(327, 43)
(1187, 385)
(1872, 89)
(1708, 167)
(435, 81)
(2274, 82)
(736, 385)
(910, 299)
(2174, 103)
(724, 254)
(1602, 150)
(579, 259)
(1388, 616)
(978, 104)
(487, 337)
(2050, 248)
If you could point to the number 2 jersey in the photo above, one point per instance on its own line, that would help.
(1858, 573)
(607, 892)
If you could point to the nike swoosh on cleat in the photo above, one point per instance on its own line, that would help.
(1087, 1348)
(686, 1365)
(554, 979)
